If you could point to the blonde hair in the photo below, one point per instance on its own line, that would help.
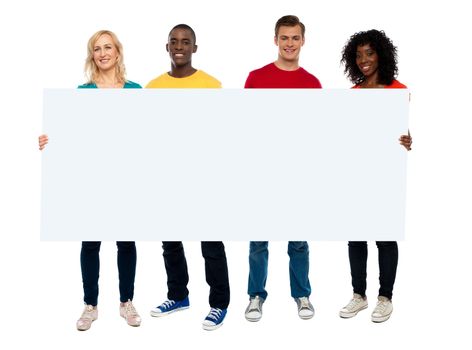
(91, 69)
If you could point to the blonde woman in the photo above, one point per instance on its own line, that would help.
(104, 68)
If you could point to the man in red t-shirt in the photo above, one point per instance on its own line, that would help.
(283, 73)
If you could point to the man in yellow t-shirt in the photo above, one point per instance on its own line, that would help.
(181, 45)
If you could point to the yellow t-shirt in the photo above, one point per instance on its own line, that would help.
(199, 79)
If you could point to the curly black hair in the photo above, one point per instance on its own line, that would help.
(386, 52)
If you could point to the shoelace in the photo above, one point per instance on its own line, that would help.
(381, 306)
(304, 304)
(129, 309)
(87, 313)
(214, 313)
(254, 305)
(167, 304)
(353, 303)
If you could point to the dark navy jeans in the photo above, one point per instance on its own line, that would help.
(90, 264)
(216, 272)
(388, 261)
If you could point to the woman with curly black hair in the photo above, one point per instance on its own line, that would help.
(370, 61)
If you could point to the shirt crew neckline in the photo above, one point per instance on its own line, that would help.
(287, 71)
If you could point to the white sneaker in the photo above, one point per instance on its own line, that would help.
(305, 308)
(357, 303)
(253, 311)
(89, 315)
(383, 310)
(129, 313)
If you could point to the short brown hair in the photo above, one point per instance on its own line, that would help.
(289, 21)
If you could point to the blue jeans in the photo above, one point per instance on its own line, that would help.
(298, 268)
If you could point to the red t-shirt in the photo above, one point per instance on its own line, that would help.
(272, 77)
(394, 85)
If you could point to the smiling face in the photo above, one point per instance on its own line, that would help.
(367, 60)
(105, 53)
(289, 40)
(181, 45)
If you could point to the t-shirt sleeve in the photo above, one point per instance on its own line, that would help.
(317, 83)
(249, 81)
(397, 85)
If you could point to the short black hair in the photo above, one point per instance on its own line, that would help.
(289, 21)
(186, 27)
(383, 46)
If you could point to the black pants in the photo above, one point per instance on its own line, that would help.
(90, 264)
(216, 271)
(388, 261)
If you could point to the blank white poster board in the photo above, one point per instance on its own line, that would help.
(206, 164)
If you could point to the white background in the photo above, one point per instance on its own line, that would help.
(43, 45)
